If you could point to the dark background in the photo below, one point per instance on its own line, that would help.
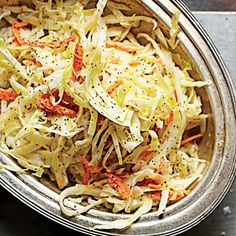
(16, 219)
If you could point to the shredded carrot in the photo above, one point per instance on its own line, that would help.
(133, 63)
(155, 186)
(121, 47)
(78, 58)
(119, 185)
(8, 94)
(20, 24)
(86, 176)
(46, 105)
(88, 170)
(91, 169)
(84, 160)
(160, 168)
(176, 96)
(77, 62)
(154, 70)
(190, 139)
(170, 118)
(114, 86)
(16, 26)
(116, 61)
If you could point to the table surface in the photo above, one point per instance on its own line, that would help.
(17, 219)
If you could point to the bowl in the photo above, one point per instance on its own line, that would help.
(217, 146)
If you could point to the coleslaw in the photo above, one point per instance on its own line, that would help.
(97, 108)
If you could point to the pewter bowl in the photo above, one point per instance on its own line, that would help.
(217, 146)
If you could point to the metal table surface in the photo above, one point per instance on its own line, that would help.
(17, 219)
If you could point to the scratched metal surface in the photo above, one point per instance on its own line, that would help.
(16, 219)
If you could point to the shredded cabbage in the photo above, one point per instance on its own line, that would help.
(108, 114)
(121, 224)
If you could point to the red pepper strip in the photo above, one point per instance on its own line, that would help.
(170, 118)
(145, 155)
(77, 61)
(16, 26)
(189, 139)
(8, 94)
(48, 107)
(119, 185)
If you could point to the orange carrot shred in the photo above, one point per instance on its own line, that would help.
(88, 170)
(114, 86)
(8, 94)
(77, 62)
(190, 139)
(170, 118)
(155, 186)
(133, 63)
(20, 24)
(46, 105)
(176, 96)
(119, 185)
(121, 46)
(16, 26)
